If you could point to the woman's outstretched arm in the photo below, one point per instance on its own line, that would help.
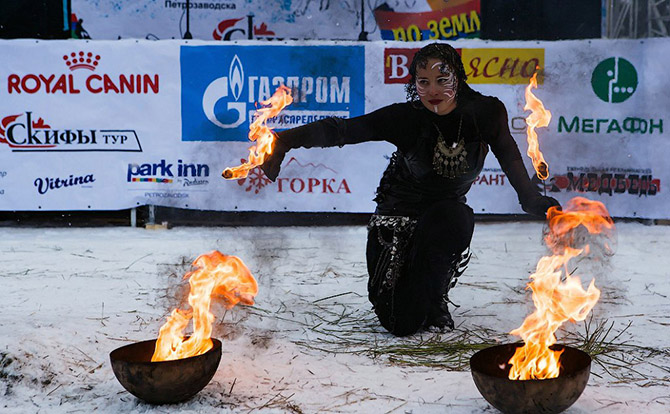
(380, 125)
(507, 152)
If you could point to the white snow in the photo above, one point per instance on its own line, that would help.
(71, 296)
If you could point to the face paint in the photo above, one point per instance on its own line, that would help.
(436, 85)
(420, 90)
(449, 84)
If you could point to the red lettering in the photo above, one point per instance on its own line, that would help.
(60, 85)
(533, 64)
(70, 79)
(486, 67)
(345, 186)
(326, 186)
(127, 84)
(299, 181)
(474, 65)
(280, 184)
(311, 183)
(13, 83)
(506, 66)
(47, 81)
(90, 87)
(109, 85)
(149, 84)
(33, 89)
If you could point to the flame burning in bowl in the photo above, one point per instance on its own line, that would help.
(558, 295)
(261, 133)
(216, 274)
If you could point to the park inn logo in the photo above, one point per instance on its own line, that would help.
(614, 80)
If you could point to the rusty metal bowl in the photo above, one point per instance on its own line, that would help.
(163, 382)
(490, 372)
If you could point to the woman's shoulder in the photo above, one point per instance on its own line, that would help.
(484, 105)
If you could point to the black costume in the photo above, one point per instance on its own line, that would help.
(419, 236)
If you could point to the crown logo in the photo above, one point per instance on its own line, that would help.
(81, 60)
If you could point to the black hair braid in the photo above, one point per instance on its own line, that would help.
(447, 55)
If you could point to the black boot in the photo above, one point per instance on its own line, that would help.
(443, 275)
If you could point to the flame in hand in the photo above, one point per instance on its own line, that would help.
(215, 274)
(558, 296)
(261, 133)
(538, 118)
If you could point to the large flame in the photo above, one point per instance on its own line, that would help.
(261, 133)
(558, 296)
(538, 118)
(215, 274)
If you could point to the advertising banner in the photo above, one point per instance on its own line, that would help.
(276, 20)
(105, 125)
(452, 20)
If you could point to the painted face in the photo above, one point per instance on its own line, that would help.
(436, 85)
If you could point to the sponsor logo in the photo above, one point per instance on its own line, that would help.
(231, 29)
(73, 84)
(218, 105)
(44, 184)
(22, 133)
(298, 178)
(633, 125)
(163, 172)
(614, 80)
(482, 66)
(455, 22)
(610, 181)
(490, 176)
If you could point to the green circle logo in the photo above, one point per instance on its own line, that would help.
(614, 80)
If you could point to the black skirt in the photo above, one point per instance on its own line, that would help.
(411, 260)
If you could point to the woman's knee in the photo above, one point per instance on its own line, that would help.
(401, 324)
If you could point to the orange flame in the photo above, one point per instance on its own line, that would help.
(538, 118)
(557, 299)
(261, 133)
(215, 274)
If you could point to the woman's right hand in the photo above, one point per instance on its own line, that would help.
(272, 163)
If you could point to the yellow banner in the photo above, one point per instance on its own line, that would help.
(503, 66)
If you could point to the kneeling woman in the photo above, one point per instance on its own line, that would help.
(419, 236)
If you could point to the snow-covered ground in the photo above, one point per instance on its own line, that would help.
(311, 343)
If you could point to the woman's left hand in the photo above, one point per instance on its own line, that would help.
(538, 205)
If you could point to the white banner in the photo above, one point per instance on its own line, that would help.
(278, 20)
(107, 125)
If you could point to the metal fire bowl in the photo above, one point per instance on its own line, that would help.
(163, 382)
(490, 371)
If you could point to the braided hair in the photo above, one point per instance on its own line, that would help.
(444, 53)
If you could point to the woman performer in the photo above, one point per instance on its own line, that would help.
(419, 236)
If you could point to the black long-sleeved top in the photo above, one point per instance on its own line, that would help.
(410, 182)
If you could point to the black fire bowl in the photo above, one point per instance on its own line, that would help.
(163, 382)
(490, 371)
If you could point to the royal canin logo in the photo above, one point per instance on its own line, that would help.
(69, 84)
(22, 133)
(297, 178)
(81, 60)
